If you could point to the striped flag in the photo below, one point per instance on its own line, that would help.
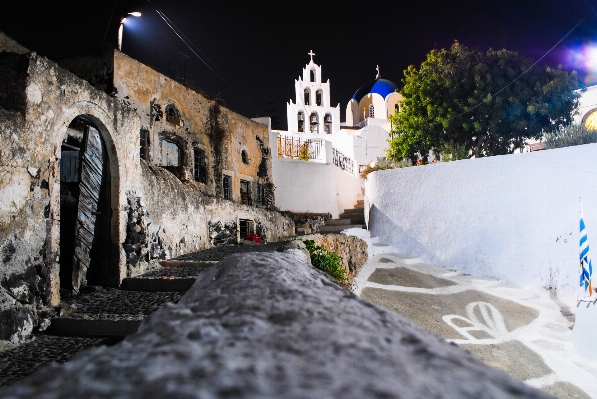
(586, 268)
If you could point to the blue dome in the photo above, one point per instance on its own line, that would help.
(383, 87)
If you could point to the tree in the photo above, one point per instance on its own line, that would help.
(466, 98)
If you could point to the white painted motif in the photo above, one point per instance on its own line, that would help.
(491, 322)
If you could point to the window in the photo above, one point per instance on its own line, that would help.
(172, 115)
(318, 97)
(371, 111)
(396, 107)
(144, 144)
(244, 156)
(200, 166)
(260, 195)
(307, 95)
(245, 193)
(170, 153)
(301, 121)
(312, 75)
(227, 186)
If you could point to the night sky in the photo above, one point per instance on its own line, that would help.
(260, 47)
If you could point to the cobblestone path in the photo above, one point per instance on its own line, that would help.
(107, 304)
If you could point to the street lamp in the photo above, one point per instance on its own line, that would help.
(121, 28)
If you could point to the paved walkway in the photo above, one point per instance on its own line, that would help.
(525, 332)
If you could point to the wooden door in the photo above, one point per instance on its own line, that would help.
(92, 170)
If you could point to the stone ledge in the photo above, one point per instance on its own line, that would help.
(267, 325)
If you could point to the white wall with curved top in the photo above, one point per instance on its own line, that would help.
(515, 217)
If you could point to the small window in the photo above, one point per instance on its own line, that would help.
(371, 111)
(200, 166)
(307, 95)
(144, 144)
(245, 193)
(318, 97)
(260, 195)
(172, 114)
(301, 121)
(227, 186)
(244, 156)
(170, 153)
(396, 107)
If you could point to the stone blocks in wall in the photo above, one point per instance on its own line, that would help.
(267, 325)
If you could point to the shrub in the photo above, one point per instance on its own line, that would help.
(453, 152)
(327, 261)
(383, 164)
(304, 154)
(569, 136)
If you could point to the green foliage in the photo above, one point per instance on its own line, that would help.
(326, 261)
(383, 164)
(453, 152)
(570, 135)
(304, 154)
(467, 98)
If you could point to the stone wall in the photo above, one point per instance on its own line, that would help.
(351, 249)
(267, 325)
(150, 213)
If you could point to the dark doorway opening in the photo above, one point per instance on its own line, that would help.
(85, 211)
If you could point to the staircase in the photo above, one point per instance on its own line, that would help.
(351, 218)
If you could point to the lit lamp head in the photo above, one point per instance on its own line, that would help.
(121, 28)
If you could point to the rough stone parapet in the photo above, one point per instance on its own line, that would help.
(267, 325)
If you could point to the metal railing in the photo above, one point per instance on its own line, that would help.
(290, 147)
(342, 161)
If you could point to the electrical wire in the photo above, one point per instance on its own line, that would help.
(529, 68)
(195, 51)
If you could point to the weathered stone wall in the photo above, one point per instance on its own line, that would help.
(351, 249)
(9, 45)
(201, 123)
(168, 218)
(267, 325)
(30, 142)
(151, 213)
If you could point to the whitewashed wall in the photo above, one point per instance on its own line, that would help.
(311, 186)
(515, 217)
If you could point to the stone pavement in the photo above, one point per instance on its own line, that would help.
(70, 333)
(523, 331)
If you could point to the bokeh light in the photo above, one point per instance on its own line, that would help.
(584, 60)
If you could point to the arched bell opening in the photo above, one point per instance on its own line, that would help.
(85, 208)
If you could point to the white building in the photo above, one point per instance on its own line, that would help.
(337, 151)
(587, 110)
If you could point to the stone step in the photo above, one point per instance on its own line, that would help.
(335, 222)
(87, 327)
(359, 206)
(352, 216)
(159, 284)
(353, 210)
(339, 228)
(361, 201)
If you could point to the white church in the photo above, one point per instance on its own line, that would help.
(337, 151)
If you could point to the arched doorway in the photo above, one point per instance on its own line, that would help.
(85, 207)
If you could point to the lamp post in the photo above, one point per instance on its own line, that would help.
(121, 28)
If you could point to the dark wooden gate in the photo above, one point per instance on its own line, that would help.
(92, 170)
